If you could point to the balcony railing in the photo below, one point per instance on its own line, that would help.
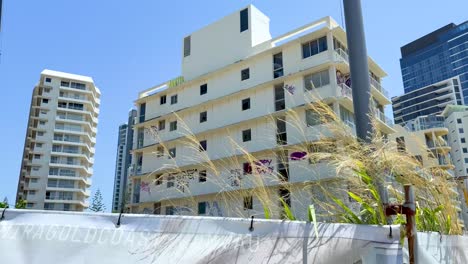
(346, 90)
(378, 86)
(432, 144)
(382, 117)
(342, 55)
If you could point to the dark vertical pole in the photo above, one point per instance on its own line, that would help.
(359, 67)
(411, 223)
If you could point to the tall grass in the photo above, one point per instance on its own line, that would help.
(350, 195)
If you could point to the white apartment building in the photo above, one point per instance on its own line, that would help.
(243, 93)
(456, 121)
(58, 156)
(426, 139)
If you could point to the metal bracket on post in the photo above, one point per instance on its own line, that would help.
(408, 208)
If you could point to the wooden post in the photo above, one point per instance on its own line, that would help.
(411, 231)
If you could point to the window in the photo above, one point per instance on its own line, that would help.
(170, 181)
(174, 99)
(202, 176)
(172, 153)
(203, 89)
(248, 203)
(202, 146)
(463, 140)
(459, 121)
(314, 47)
(45, 101)
(246, 135)
(466, 160)
(33, 180)
(32, 192)
(245, 74)
(316, 80)
(162, 99)
(281, 134)
(42, 122)
(278, 65)
(247, 168)
(401, 147)
(246, 104)
(159, 151)
(162, 125)
(66, 207)
(157, 208)
(38, 145)
(202, 208)
(48, 80)
(465, 150)
(158, 180)
(173, 126)
(203, 117)
(142, 112)
(64, 84)
(279, 97)
(170, 210)
(40, 133)
(313, 118)
(37, 156)
(244, 20)
(460, 130)
(419, 159)
(187, 45)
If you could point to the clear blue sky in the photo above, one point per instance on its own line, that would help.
(128, 46)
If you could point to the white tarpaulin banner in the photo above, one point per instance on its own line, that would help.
(29, 236)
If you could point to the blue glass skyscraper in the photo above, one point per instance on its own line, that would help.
(435, 57)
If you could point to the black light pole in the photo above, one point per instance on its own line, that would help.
(359, 67)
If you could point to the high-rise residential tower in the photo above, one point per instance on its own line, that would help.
(435, 57)
(428, 100)
(123, 160)
(58, 155)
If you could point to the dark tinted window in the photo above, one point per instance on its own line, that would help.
(203, 89)
(245, 74)
(246, 104)
(162, 100)
(244, 20)
(203, 117)
(246, 135)
(187, 45)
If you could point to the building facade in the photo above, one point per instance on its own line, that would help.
(243, 94)
(426, 139)
(429, 100)
(435, 141)
(435, 57)
(123, 160)
(58, 155)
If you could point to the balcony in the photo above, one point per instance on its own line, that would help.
(346, 91)
(341, 55)
(380, 92)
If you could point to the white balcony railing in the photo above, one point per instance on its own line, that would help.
(346, 91)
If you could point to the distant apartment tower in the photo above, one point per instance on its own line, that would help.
(123, 160)
(456, 121)
(428, 100)
(426, 139)
(435, 57)
(58, 155)
(242, 91)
